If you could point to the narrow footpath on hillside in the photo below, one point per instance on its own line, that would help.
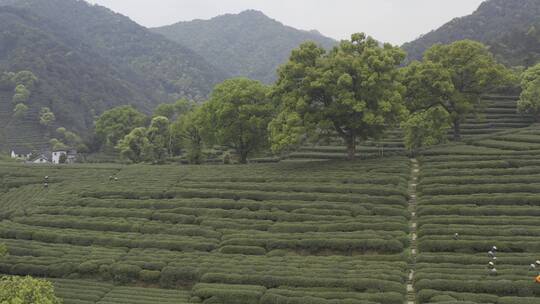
(413, 182)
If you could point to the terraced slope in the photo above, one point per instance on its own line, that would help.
(89, 292)
(489, 197)
(309, 232)
(498, 115)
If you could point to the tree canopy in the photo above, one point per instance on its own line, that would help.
(26, 290)
(159, 136)
(186, 133)
(116, 123)
(453, 77)
(46, 117)
(135, 146)
(237, 115)
(529, 102)
(22, 94)
(352, 91)
(20, 110)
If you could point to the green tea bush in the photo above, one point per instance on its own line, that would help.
(247, 250)
(125, 273)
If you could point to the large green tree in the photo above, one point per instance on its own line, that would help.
(115, 124)
(529, 102)
(186, 133)
(353, 91)
(135, 146)
(237, 116)
(454, 77)
(159, 136)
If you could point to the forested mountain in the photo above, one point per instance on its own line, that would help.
(88, 59)
(248, 44)
(510, 28)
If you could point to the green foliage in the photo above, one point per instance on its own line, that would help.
(426, 128)
(237, 115)
(240, 44)
(529, 102)
(352, 91)
(166, 110)
(68, 139)
(174, 110)
(186, 134)
(509, 28)
(116, 123)
(57, 144)
(25, 78)
(20, 110)
(22, 95)
(159, 136)
(121, 63)
(19, 290)
(46, 117)
(135, 146)
(453, 77)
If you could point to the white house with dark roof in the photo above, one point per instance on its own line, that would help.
(21, 153)
(40, 159)
(68, 156)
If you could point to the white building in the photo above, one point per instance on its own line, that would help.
(57, 157)
(21, 153)
(64, 157)
(41, 159)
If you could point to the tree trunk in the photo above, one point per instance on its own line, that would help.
(457, 129)
(243, 157)
(351, 147)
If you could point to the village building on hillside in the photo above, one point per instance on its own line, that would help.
(40, 159)
(68, 156)
(21, 153)
(64, 156)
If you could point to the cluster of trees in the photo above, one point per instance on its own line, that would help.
(66, 139)
(236, 115)
(22, 83)
(356, 92)
(141, 138)
(529, 102)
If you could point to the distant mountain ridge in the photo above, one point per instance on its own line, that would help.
(89, 59)
(248, 44)
(510, 28)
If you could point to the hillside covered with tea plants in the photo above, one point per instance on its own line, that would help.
(384, 230)
(336, 232)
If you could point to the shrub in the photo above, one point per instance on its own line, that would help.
(247, 250)
(149, 276)
(125, 273)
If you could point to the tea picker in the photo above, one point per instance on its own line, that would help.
(456, 236)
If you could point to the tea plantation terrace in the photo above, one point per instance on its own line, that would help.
(331, 232)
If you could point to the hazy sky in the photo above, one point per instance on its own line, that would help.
(395, 21)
